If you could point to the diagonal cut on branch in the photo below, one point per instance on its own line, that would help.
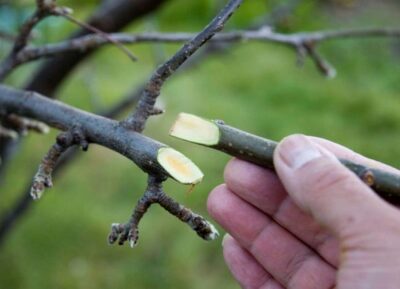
(152, 90)
(155, 194)
(258, 150)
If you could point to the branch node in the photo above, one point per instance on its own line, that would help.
(156, 111)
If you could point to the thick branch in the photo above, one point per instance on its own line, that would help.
(258, 150)
(152, 90)
(151, 156)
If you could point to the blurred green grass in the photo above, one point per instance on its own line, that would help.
(61, 242)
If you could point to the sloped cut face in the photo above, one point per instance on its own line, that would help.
(179, 166)
(195, 129)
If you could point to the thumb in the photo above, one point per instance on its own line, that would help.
(322, 186)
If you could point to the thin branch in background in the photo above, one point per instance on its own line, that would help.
(152, 90)
(304, 43)
(43, 10)
(23, 124)
(67, 15)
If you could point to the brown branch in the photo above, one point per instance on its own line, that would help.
(258, 150)
(155, 194)
(152, 90)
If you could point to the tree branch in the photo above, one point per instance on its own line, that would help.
(258, 150)
(21, 206)
(111, 16)
(303, 42)
(152, 90)
(149, 155)
(155, 194)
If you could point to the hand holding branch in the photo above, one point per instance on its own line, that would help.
(312, 224)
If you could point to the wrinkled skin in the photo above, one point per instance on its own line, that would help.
(311, 225)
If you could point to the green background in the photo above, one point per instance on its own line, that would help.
(61, 241)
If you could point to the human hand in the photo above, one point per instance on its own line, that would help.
(312, 224)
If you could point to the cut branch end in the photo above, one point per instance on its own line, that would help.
(179, 166)
(195, 129)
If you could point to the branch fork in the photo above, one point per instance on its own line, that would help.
(155, 194)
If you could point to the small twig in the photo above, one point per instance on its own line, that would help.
(67, 15)
(155, 194)
(258, 150)
(43, 179)
(152, 90)
(322, 65)
(198, 224)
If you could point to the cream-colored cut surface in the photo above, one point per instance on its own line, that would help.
(179, 166)
(195, 129)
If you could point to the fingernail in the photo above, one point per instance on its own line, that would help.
(225, 238)
(297, 151)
